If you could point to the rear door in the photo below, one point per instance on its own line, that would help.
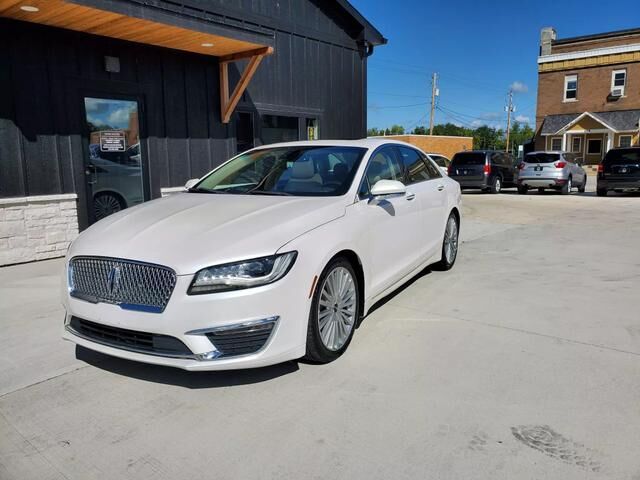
(622, 167)
(468, 166)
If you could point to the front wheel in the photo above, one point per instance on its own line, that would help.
(566, 188)
(601, 192)
(449, 244)
(335, 310)
(523, 189)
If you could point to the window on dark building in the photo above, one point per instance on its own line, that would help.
(276, 128)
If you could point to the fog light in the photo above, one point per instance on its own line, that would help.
(212, 355)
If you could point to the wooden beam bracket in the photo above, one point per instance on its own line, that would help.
(228, 102)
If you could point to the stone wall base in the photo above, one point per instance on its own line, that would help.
(37, 228)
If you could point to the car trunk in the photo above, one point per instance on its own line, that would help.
(468, 166)
(539, 164)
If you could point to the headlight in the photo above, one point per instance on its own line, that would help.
(246, 274)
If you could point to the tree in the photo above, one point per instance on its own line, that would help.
(374, 132)
(397, 130)
(420, 131)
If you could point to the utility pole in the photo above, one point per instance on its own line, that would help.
(434, 94)
(510, 108)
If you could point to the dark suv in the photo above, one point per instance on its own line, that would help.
(619, 171)
(487, 170)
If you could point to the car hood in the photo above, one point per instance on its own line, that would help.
(190, 231)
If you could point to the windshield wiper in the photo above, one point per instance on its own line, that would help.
(267, 192)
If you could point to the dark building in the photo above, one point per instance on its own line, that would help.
(105, 103)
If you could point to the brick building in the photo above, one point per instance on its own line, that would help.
(588, 93)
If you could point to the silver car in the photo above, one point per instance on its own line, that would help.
(556, 170)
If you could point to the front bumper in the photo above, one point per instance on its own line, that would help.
(191, 319)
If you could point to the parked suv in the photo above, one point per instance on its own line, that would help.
(556, 170)
(487, 170)
(619, 171)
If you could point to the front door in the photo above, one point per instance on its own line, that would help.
(392, 225)
(113, 159)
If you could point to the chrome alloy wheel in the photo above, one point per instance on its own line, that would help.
(337, 308)
(451, 240)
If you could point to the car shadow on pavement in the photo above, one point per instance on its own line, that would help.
(392, 295)
(182, 378)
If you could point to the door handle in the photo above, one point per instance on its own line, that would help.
(410, 196)
(440, 188)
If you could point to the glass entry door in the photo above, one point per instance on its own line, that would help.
(113, 167)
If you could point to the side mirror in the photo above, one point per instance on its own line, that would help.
(191, 183)
(385, 188)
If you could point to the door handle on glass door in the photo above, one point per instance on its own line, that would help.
(440, 188)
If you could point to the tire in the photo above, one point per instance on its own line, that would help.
(566, 188)
(496, 185)
(325, 344)
(449, 257)
(107, 203)
(523, 190)
(540, 190)
(601, 192)
(583, 187)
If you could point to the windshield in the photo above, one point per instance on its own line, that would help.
(622, 157)
(299, 170)
(541, 157)
(469, 158)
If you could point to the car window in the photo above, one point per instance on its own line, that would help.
(541, 157)
(384, 166)
(415, 167)
(432, 168)
(469, 158)
(622, 157)
(440, 161)
(498, 158)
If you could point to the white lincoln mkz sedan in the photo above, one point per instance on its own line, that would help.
(272, 256)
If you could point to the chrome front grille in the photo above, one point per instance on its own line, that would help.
(132, 285)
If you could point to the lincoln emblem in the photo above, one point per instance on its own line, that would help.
(113, 279)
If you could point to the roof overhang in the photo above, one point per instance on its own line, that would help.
(580, 117)
(594, 52)
(142, 23)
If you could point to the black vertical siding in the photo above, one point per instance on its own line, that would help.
(316, 71)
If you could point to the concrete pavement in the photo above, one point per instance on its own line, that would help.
(522, 362)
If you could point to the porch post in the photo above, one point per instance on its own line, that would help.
(609, 141)
(564, 142)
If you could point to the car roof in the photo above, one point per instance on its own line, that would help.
(560, 152)
(369, 143)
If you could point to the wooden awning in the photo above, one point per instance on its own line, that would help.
(89, 19)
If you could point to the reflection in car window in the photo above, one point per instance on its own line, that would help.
(432, 169)
(299, 170)
(384, 166)
(415, 167)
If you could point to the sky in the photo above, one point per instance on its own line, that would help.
(478, 48)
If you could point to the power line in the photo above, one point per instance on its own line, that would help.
(376, 107)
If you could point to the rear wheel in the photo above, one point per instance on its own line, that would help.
(601, 192)
(523, 189)
(540, 190)
(583, 187)
(496, 185)
(449, 244)
(335, 309)
(566, 188)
